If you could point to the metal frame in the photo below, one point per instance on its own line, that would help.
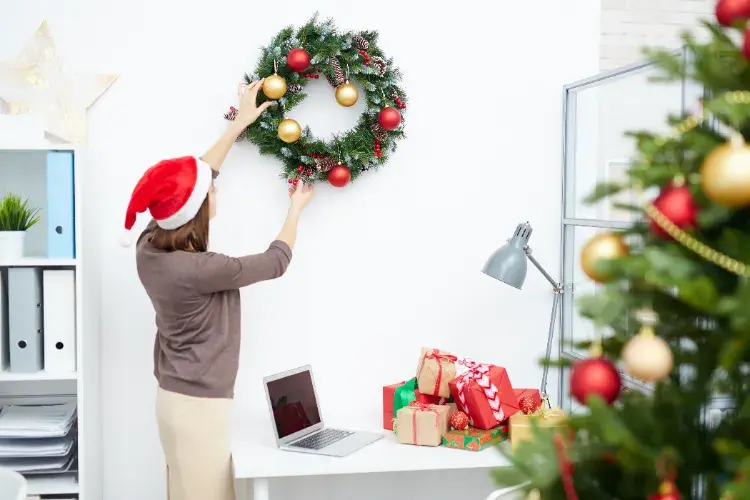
(568, 202)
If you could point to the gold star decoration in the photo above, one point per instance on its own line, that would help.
(35, 83)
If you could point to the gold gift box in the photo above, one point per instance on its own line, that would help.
(520, 424)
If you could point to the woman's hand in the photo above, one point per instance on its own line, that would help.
(249, 111)
(301, 195)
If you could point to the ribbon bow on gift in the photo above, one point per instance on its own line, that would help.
(479, 373)
(440, 358)
(548, 412)
(417, 408)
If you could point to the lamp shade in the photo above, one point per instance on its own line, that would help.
(508, 263)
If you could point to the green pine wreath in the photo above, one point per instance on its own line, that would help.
(337, 56)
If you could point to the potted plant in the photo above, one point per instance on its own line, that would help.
(16, 216)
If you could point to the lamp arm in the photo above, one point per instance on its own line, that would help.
(536, 263)
(558, 289)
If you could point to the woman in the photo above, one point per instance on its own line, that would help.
(195, 294)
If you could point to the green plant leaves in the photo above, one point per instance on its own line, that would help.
(17, 214)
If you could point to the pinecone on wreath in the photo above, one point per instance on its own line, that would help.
(294, 88)
(338, 74)
(361, 42)
(379, 132)
(381, 64)
(325, 164)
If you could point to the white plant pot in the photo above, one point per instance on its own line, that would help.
(11, 245)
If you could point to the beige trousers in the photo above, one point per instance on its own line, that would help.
(194, 434)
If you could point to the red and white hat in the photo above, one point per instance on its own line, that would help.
(172, 191)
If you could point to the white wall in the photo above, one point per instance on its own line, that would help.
(382, 267)
(628, 25)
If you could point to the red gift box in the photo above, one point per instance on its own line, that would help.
(485, 394)
(290, 418)
(389, 392)
(536, 398)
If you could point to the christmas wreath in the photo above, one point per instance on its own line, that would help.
(288, 63)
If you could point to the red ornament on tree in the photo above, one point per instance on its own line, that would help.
(298, 60)
(746, 45)
(527, 405)
(459, 421)
(729, 12)
(339, 176)
(677, 204)
(389, 118)
(595, 377)
(667, 491)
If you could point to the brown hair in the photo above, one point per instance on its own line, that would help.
(190, 237)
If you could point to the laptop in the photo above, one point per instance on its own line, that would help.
(298, 422)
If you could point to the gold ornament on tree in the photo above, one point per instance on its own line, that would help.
(647, 356)
(725, 173)
(289, 130)
(347, 94)
(35, 83)
(274, 86)
(602, 247)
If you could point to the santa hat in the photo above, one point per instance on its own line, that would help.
(172, 191)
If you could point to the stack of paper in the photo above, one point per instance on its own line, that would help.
(38, 439)
(50, 421)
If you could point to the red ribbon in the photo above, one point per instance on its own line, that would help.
(439, 357)
(417, 407)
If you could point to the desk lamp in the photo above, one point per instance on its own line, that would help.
(508, 264)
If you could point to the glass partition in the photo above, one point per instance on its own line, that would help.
(598, 113)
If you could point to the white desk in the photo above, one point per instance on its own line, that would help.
(256, 458)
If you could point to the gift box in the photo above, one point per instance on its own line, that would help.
(422, 424)
(485, 394)
(533, 394)
(435, 370)
(290, 418)
(521, 424)
(475, 439)
(397, 396)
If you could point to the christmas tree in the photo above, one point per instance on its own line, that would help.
(675, 297)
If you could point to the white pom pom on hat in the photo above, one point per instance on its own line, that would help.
(172, 191)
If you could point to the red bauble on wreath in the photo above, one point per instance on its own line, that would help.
(595, 376)
(339, 176)
(298, 60)
(676, 203)
(729, 12)
(389, 118)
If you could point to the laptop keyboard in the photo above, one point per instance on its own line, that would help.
(321, 439)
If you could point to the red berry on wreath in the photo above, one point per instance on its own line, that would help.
(676, 203)
(389, 118)
(595, 377)
(298, 60)
(339, 176)
(729, 12)
(527, 405)
(300, 168)
(459, 421)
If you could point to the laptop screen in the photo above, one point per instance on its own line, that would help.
(294, 405)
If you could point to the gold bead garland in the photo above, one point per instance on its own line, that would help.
(701, 249)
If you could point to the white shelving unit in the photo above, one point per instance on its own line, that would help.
(20, 173)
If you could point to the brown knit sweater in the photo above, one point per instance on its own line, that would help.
(197, 302)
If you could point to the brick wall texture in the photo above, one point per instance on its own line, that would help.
(628, 25)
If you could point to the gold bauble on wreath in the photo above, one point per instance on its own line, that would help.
(274, 87)
(289, 130)
(605, 246)
(347, 94)
(725, 174)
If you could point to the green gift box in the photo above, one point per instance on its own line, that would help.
(475, 439)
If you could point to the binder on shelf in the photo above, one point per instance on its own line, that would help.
(25, 319)
(60, 210)
(59, 294)
(4, 352)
